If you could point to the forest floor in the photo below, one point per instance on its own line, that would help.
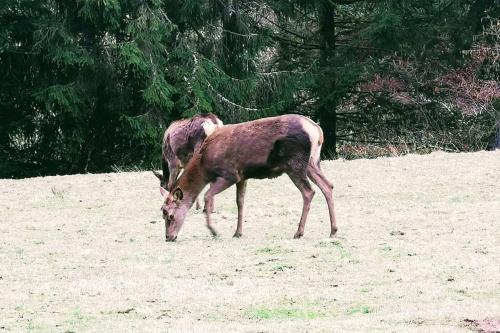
(418, 250)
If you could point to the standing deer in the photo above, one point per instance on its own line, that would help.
(181, 139)
(264, 148)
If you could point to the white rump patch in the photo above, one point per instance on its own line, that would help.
(209, 127)
(314, 132)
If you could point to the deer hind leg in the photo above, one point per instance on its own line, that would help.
(218, 186)
(307, 195)
(240, 197)
(317, 177)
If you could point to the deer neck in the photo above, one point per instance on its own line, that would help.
(192, 180)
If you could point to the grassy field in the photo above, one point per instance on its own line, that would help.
(418, 250)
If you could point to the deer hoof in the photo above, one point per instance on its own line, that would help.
(298, 235)
(237, 234)
(213, 232)
(332, 234)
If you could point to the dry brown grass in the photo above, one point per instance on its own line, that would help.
(417, 251)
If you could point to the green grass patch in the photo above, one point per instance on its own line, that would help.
(284, 212)
(78, 320)
(281, 268)
(58, 193)
(33, 327)
(128, 168)
(335, 244)
(282, 313)
(332, 243)
(274, 250)
(386, 248)
(359, 309)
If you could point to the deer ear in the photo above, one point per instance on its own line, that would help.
(178, 195)
(163, 192)
(158, 175)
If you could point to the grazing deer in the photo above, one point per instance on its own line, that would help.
(264, 148)
(181, 139)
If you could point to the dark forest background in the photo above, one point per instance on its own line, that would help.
(90, 85)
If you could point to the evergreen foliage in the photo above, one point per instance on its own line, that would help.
(89, 85)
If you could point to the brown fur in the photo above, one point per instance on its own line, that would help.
(263, 148)
(185, 136)
(181, 139)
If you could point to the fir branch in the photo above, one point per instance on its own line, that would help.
(234, 32)
(304, 46)
(286, 30)
(227, 101)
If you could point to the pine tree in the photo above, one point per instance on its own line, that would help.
(84, 84)
(91, 84)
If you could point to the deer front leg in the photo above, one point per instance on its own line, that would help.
(174, 170)
(218, 186)
(212, 209)
(240, 197)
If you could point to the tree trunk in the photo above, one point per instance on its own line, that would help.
(326, 85)
(232, 40)
(496, 144)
